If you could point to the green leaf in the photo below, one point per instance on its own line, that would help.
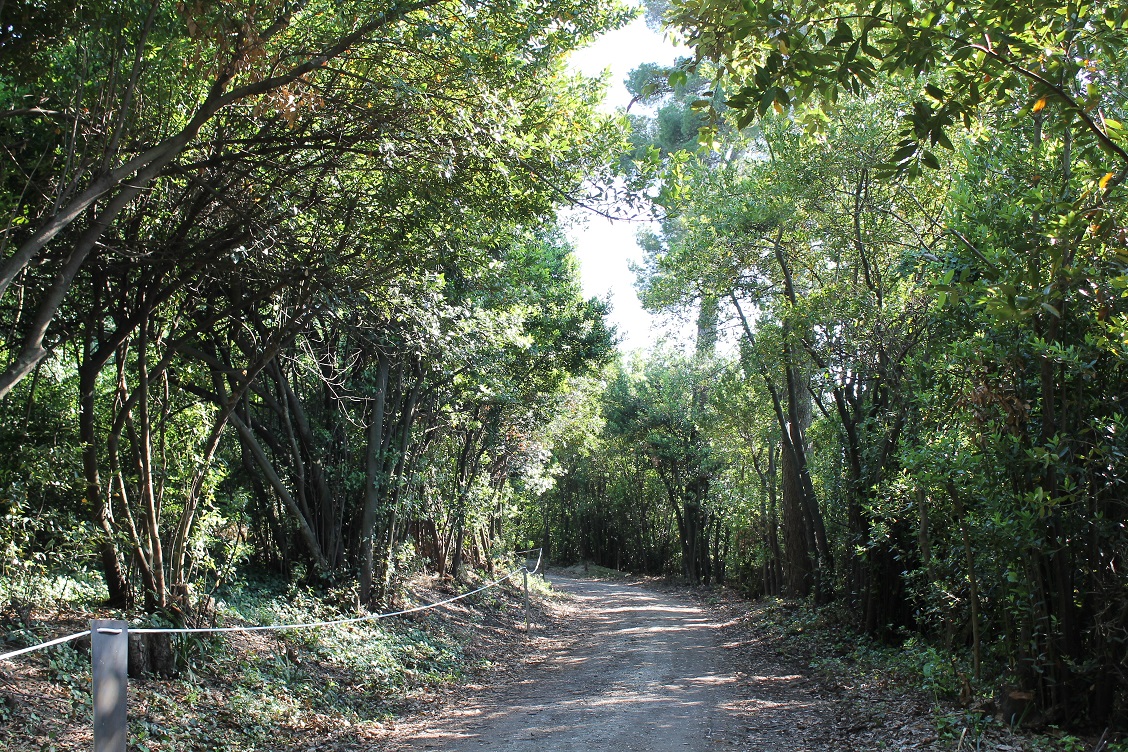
(905, 152)
(842, 34)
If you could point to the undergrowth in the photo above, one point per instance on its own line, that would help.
(263, 690)
(820, 637)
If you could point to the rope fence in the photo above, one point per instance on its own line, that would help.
(42, 645)
(109, 643)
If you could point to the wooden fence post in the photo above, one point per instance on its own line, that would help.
(525, 577)
(109, 658)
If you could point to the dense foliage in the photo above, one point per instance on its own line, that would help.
(281, 288)
(906, 229)
(281, 285)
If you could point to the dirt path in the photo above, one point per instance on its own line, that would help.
(641, 669)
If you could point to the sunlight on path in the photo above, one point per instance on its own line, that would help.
(646, 671)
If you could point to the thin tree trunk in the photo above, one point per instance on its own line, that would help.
(257, 453)
(407, 420)
(103, 513)
(969, 556)
(373, 461)
(141, 555)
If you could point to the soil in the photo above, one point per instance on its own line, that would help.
(618, 664)
(639, 665)
(634, 668)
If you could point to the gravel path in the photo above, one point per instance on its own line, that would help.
(640, 669)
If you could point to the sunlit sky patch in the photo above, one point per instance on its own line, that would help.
(605, 248)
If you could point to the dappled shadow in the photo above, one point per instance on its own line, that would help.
(641, 670)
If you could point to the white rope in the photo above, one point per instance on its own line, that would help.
(333, 623)
(40, 646)
(278, 627)
(540, 553)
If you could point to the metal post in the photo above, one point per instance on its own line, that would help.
(525, 577)
(109, 657)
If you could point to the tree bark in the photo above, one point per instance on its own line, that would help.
(264, 464)
(116, 583)
(373, 461)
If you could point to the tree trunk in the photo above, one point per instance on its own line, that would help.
(407, 421)
(797, 538)
(100, 501)
(264, 464)
(969, 557)
(373, 461)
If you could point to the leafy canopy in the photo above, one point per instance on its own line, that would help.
(1060, 60)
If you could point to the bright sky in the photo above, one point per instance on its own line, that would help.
(605, 248)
